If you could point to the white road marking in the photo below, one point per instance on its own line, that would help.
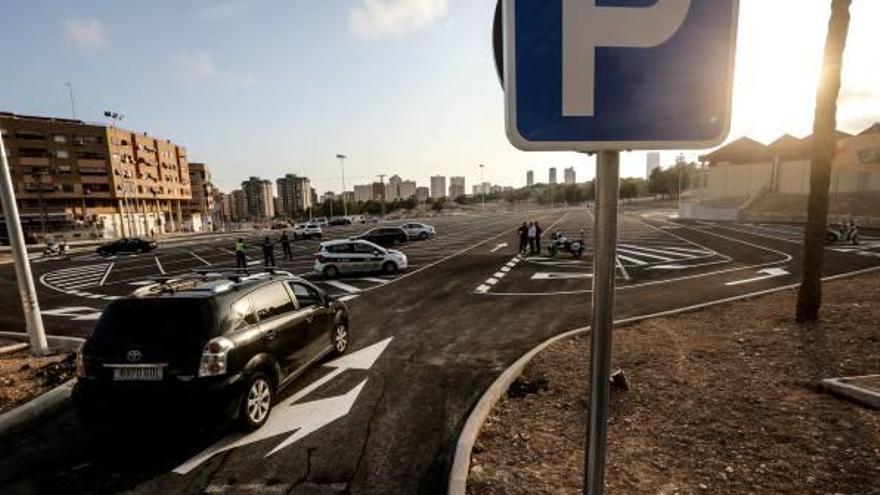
(499, 274)
(374, 280)
(300, 419)
(631, 260)
(76, 313)
(505, 268)
(622, 269)
(644, 254)
(768, 273)
(104, 278)
(203, 260)
(560, 275)
(159, 265)
(349, 297)
(341, 285)
(499, 246)
(492, 281)
(483, 289)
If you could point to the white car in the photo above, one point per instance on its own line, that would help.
(416, 230)
(320, 221)
(307, 231)
(355, 256)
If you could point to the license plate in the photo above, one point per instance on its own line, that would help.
(138, 373)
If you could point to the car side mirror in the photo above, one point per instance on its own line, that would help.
(328, 299)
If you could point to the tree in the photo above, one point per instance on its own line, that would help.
(824, 146)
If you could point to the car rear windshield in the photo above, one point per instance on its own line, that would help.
(155, 322)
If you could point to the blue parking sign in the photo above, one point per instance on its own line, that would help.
(589, 75)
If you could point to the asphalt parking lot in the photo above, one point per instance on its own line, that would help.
(425, 345)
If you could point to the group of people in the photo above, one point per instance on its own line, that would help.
(529, 238)
(268, 246)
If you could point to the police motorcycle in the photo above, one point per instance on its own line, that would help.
(843, 232)
(559, 243)
(54, 248)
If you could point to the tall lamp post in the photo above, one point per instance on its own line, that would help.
(482, 188)
(342, 165)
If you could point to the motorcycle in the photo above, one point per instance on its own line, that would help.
(56, 249)
(843, 233)
(560, 243)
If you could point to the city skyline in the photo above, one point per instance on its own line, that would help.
(288, 111)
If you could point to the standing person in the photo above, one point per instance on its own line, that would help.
(532, 234)
(523, 233)
(538, 233)
(268, 252)
(240, 257)
(285, 246)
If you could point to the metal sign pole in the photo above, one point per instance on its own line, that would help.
(605, 252)
(23, 275)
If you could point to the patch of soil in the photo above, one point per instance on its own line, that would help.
(23, 377)
(723, 400)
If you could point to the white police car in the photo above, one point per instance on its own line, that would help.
(356, 256)
(418, 230)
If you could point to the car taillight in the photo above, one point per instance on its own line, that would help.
(215, 357)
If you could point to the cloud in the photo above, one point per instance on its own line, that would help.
(88, 33)
(378, 18)
(193, 66)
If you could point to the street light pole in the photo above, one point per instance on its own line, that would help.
(483, 187)
(23, 276)
(342, 164)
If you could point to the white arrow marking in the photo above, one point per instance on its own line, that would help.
(769, 273)
(302, 419)
(559, 275)
(499, 246)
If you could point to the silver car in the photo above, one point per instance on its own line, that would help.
(418, 230)
(357, 256)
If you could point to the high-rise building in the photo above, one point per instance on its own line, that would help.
(294, 194)
(530, 178)
(569, 175)
(438, 186)
(199, 211)
(237, 205)
(392, 189)
(363, 192)
(457, 187)
(552, 178)
(259, 202)
(378, 191)
(482, 188)
(422, 194)
(115, 181)
(407, 189)
(653, 158)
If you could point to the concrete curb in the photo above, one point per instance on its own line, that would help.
(461, 463)
(59, 343)
(37, 409)
(9, 349)
(842, 388)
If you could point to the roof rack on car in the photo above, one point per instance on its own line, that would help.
(241, 274)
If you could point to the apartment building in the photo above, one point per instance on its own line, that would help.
(438, 186)
(569, 175)
(552, 176)
(530, 178)
(92, 180)
(422, 194)
(407, 189)
(294, 195)
(457, 187)
(259, 201)
(392, 190)
(198, 213)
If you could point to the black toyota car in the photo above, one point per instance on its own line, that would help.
(133, 245)
(385, 236)
(216, 346)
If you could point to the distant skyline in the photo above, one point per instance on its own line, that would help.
(407, 87)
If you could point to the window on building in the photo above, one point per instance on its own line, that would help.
(68, 188)
(61, 154)
(64, 170)
(59, 138)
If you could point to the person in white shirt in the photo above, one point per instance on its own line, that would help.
(533, 237)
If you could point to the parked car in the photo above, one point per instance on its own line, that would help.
(220, 347)
(418, 230)
(307, 231)
(133, 245)
(339, 221)
(356, 256)
(321, 221)
(384, 236)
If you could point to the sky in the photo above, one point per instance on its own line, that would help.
(407, 87)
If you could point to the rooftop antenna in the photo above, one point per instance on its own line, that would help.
(72, 105)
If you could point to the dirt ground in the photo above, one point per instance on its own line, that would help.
(723, 400)
(23, 377)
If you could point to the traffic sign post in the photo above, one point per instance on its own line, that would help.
(605, 76)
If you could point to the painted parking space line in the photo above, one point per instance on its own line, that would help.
(560, 275)
(159, 265)
(343, 286)
(107, 273)
(203, 260)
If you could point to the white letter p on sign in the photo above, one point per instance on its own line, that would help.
(586, 26)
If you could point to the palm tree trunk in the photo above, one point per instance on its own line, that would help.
(824, 147)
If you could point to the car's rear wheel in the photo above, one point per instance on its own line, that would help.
(256, 403)
(389, 267)
(331, 272)
(340, 337)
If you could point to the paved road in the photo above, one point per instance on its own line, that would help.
(439, 333)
